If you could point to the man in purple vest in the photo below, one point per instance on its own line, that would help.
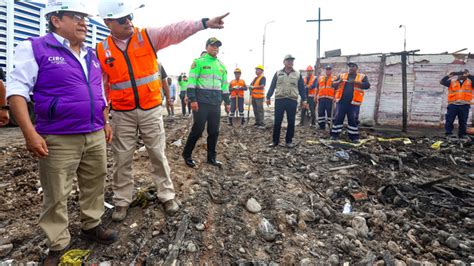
(72, 128)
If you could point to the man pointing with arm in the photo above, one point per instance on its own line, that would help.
(128, 58)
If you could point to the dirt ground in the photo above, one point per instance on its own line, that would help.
(410, 203)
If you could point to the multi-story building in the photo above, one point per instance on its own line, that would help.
(20, 20)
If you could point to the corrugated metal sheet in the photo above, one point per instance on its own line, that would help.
(426, 97)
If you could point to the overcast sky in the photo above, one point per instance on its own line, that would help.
(364, 26)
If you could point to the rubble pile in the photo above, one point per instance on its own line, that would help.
(387, 201)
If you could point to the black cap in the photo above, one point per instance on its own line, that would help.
(352, 64)
(213, 40)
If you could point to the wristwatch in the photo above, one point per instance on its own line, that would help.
(204, 21)
(5, 107)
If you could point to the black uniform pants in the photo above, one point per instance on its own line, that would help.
(182, 95)
(210, 114)
(324, 111)
(312, 111)
(283, 106)
(462, 113)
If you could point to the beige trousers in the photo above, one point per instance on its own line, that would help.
(83, 155)
(126, 127)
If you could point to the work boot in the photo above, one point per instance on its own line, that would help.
(171, 206)
(273, 144)
(290, 145)
(242, 121)
(355, 141)
(119, 214)
(230, 121)
(451, 137)
(100, 235)
(53, 258)
(189, 162)
(214, 162)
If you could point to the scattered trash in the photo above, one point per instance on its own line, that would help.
(437, 145)
(177, 143)
(267, 230)
(342, 155)
(144, 197)
(75, 257)
(108, 205)
(405, 141)
(347, 207)
(359, 196)
(133, 225)
(142, 149)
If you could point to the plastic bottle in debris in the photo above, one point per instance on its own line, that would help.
(347, 207)
(267, 230)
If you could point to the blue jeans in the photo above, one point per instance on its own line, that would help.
(282, 106)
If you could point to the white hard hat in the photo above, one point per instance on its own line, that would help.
(115, 8)
(67, 5)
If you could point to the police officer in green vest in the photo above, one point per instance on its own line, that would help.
(183, 86)
(207, 87)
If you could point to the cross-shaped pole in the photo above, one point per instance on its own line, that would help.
(318, 43)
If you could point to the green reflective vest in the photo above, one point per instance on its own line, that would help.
(183, 85)
(207, 81)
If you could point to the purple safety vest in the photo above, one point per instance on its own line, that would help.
(65, 101)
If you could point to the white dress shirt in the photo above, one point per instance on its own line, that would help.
(22, 78)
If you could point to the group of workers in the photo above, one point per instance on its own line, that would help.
(75, 87)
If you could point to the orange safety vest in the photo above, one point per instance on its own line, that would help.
(358, 95)
(326, 90)
(460, 94)
(237, 83)
(308, 83)
(258, 93)
(133, 74)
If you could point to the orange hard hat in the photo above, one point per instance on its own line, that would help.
(309, 68)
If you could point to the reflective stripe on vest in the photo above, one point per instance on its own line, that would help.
(326, 89)
(133, 74)
(311, 92)
(142, 81)
(458, 94)
(258, 93)
(358, 95)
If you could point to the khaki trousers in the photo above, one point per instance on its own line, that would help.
(83, 155)
(126, 126)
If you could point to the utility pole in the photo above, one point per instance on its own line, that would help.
(263, 44)
(404, 56)
(318, 42)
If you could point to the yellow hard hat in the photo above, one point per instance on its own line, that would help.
(259, 67)
(237, 70)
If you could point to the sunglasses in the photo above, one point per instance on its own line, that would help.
(123, 20)
(76, 16)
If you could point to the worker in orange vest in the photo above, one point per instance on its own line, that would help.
(237, 88)
(459, 101)
(349, 97)
(325, 96)
(257, 93)
(129, 61)
(310, 87)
